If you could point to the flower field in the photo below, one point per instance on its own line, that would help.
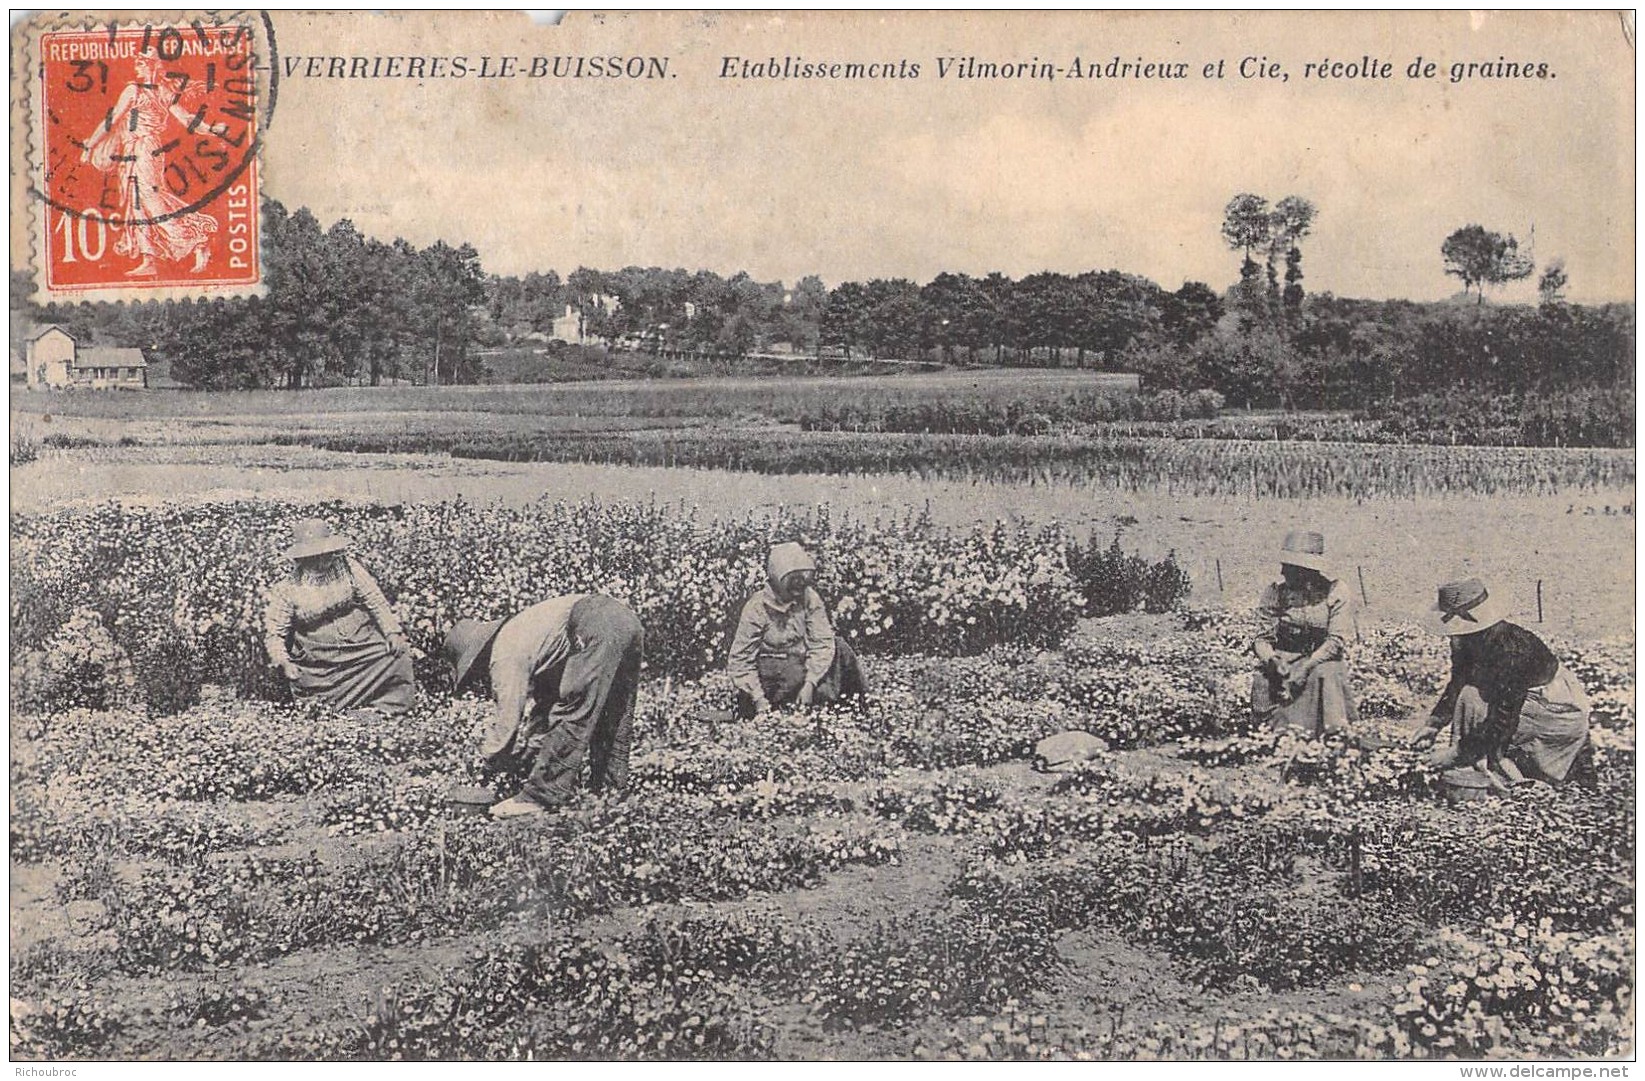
(145, 606)
(201, 871)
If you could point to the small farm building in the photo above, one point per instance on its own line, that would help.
(55, 359)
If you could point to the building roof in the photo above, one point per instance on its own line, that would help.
(46, 328)
(109, 356)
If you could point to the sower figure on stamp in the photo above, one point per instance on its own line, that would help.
(155, 222)
(564, 673)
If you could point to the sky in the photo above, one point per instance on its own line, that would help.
(910, 177)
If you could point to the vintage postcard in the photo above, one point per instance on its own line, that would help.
(822, 536)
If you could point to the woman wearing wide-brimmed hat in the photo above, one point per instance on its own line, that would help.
(1514, 711)
(1302, 680)
(784, 650)
(330, 631)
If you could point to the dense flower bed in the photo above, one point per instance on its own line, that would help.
(192, 848)
(117, 605)
(1182, 899)
(1522, 989)
(458, 877)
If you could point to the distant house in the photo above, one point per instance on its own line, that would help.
(48, 356)
(572, 327)
(52, 358)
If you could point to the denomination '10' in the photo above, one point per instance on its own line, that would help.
(78, 232)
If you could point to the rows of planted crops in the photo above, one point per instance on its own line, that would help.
(201, 871)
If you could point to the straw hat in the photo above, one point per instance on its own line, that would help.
(311, 537)
(465, 642)
(1465, 607)
(1303, 548)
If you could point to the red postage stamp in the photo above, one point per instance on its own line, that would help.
(145, 146)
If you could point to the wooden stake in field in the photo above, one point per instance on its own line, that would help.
(1363, 596)
(1539, 600)
(1220, 589)
(1353, 862)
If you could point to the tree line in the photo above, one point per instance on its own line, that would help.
(1043, 318)
(1369, 355)
(342, 308)
(1278, 347)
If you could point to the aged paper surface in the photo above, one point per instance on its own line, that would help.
(521, 308)
(516, 149)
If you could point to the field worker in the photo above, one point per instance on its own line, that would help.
(564, 674)
(784, 651)
(1514, 711)
(1301, 680)
(330, 631)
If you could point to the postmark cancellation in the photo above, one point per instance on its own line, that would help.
(143, 141)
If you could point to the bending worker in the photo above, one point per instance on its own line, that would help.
(564, 674)
(1514, 711)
